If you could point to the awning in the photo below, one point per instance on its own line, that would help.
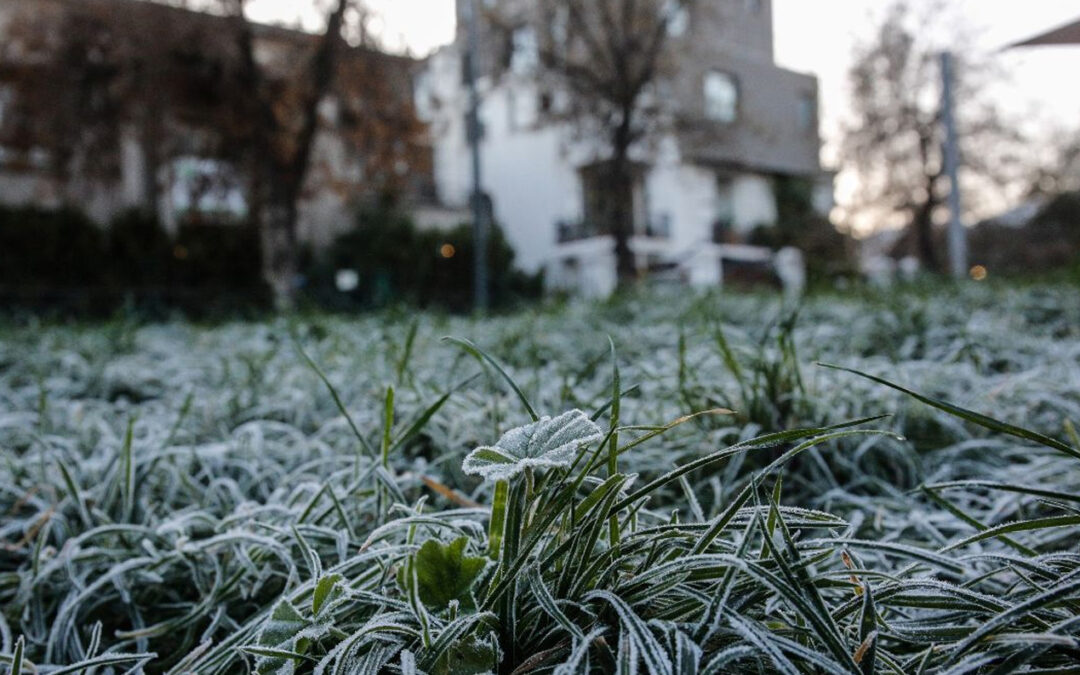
(1068, 34)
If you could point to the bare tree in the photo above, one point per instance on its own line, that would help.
(1059, 173)
(283, 122)
(606, 55)
(897, 138)
(372, 105)
(83, 74)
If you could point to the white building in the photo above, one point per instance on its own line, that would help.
(738, 124)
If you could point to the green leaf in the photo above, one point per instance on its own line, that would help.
(388, 425)
(104, 660)
(1021, 526)
(551, 441)
(866, 655)
(444, 573)
(323, 591)
(285, 622)
(497, 526)
(127, 463)
(278, 644)
(17, 658)
(467, 658)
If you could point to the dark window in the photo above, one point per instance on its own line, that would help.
(807, 112)
(602, 199)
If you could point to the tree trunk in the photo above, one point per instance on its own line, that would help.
(278, 180)
(151, 141)
(277, 231)
(924, 236)
(622, 224)
(622, 203)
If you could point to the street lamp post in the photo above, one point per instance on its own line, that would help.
(479, 206)
(957, 236)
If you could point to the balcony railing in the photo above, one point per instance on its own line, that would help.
(568, 230)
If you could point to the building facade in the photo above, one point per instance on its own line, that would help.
(736, 123)
(110, 105)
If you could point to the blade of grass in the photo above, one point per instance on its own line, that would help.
(482, 356)
(969, 415)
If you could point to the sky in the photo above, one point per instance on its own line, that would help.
(417, 25)
(817, 36)
(1038, 89)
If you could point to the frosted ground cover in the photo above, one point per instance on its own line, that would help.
(176, 498)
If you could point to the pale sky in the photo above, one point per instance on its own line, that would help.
(1042, 88)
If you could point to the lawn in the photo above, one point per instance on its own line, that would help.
(415, 493)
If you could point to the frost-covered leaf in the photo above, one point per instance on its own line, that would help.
(325, 589)
(468, 657)
(444, 573)
(281, 641)
(548, 442)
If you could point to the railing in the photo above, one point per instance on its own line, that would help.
(723, 232)
(567, 230)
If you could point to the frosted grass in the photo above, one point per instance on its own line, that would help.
(249, 524)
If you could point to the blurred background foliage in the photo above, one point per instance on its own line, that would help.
(60, 261)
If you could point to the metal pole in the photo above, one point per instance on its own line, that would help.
(479, 207)
(957, 235)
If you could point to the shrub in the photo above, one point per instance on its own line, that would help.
(798, 224)
(60, 260)
(223, 256)
(139, 251)
(49, 248)
(399, 262)
(1050, 240)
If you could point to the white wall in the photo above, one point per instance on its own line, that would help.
(532, 183)
(754, 202)
(531, 171)
(441, 102)
(687, 193)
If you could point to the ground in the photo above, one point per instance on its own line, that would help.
(200, 498)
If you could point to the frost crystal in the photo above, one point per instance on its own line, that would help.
(548, 442)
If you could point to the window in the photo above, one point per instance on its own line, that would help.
(721, 97)
(424, 97)
(723, 210)
(602, 201)
(560, 26)
(678, 18)
(5, 100)
(525, 51)
(207, 188)
(807, 113)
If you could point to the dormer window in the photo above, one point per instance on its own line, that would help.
(678, 18)
(525, 51)
(721, 97)
(807, 112)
